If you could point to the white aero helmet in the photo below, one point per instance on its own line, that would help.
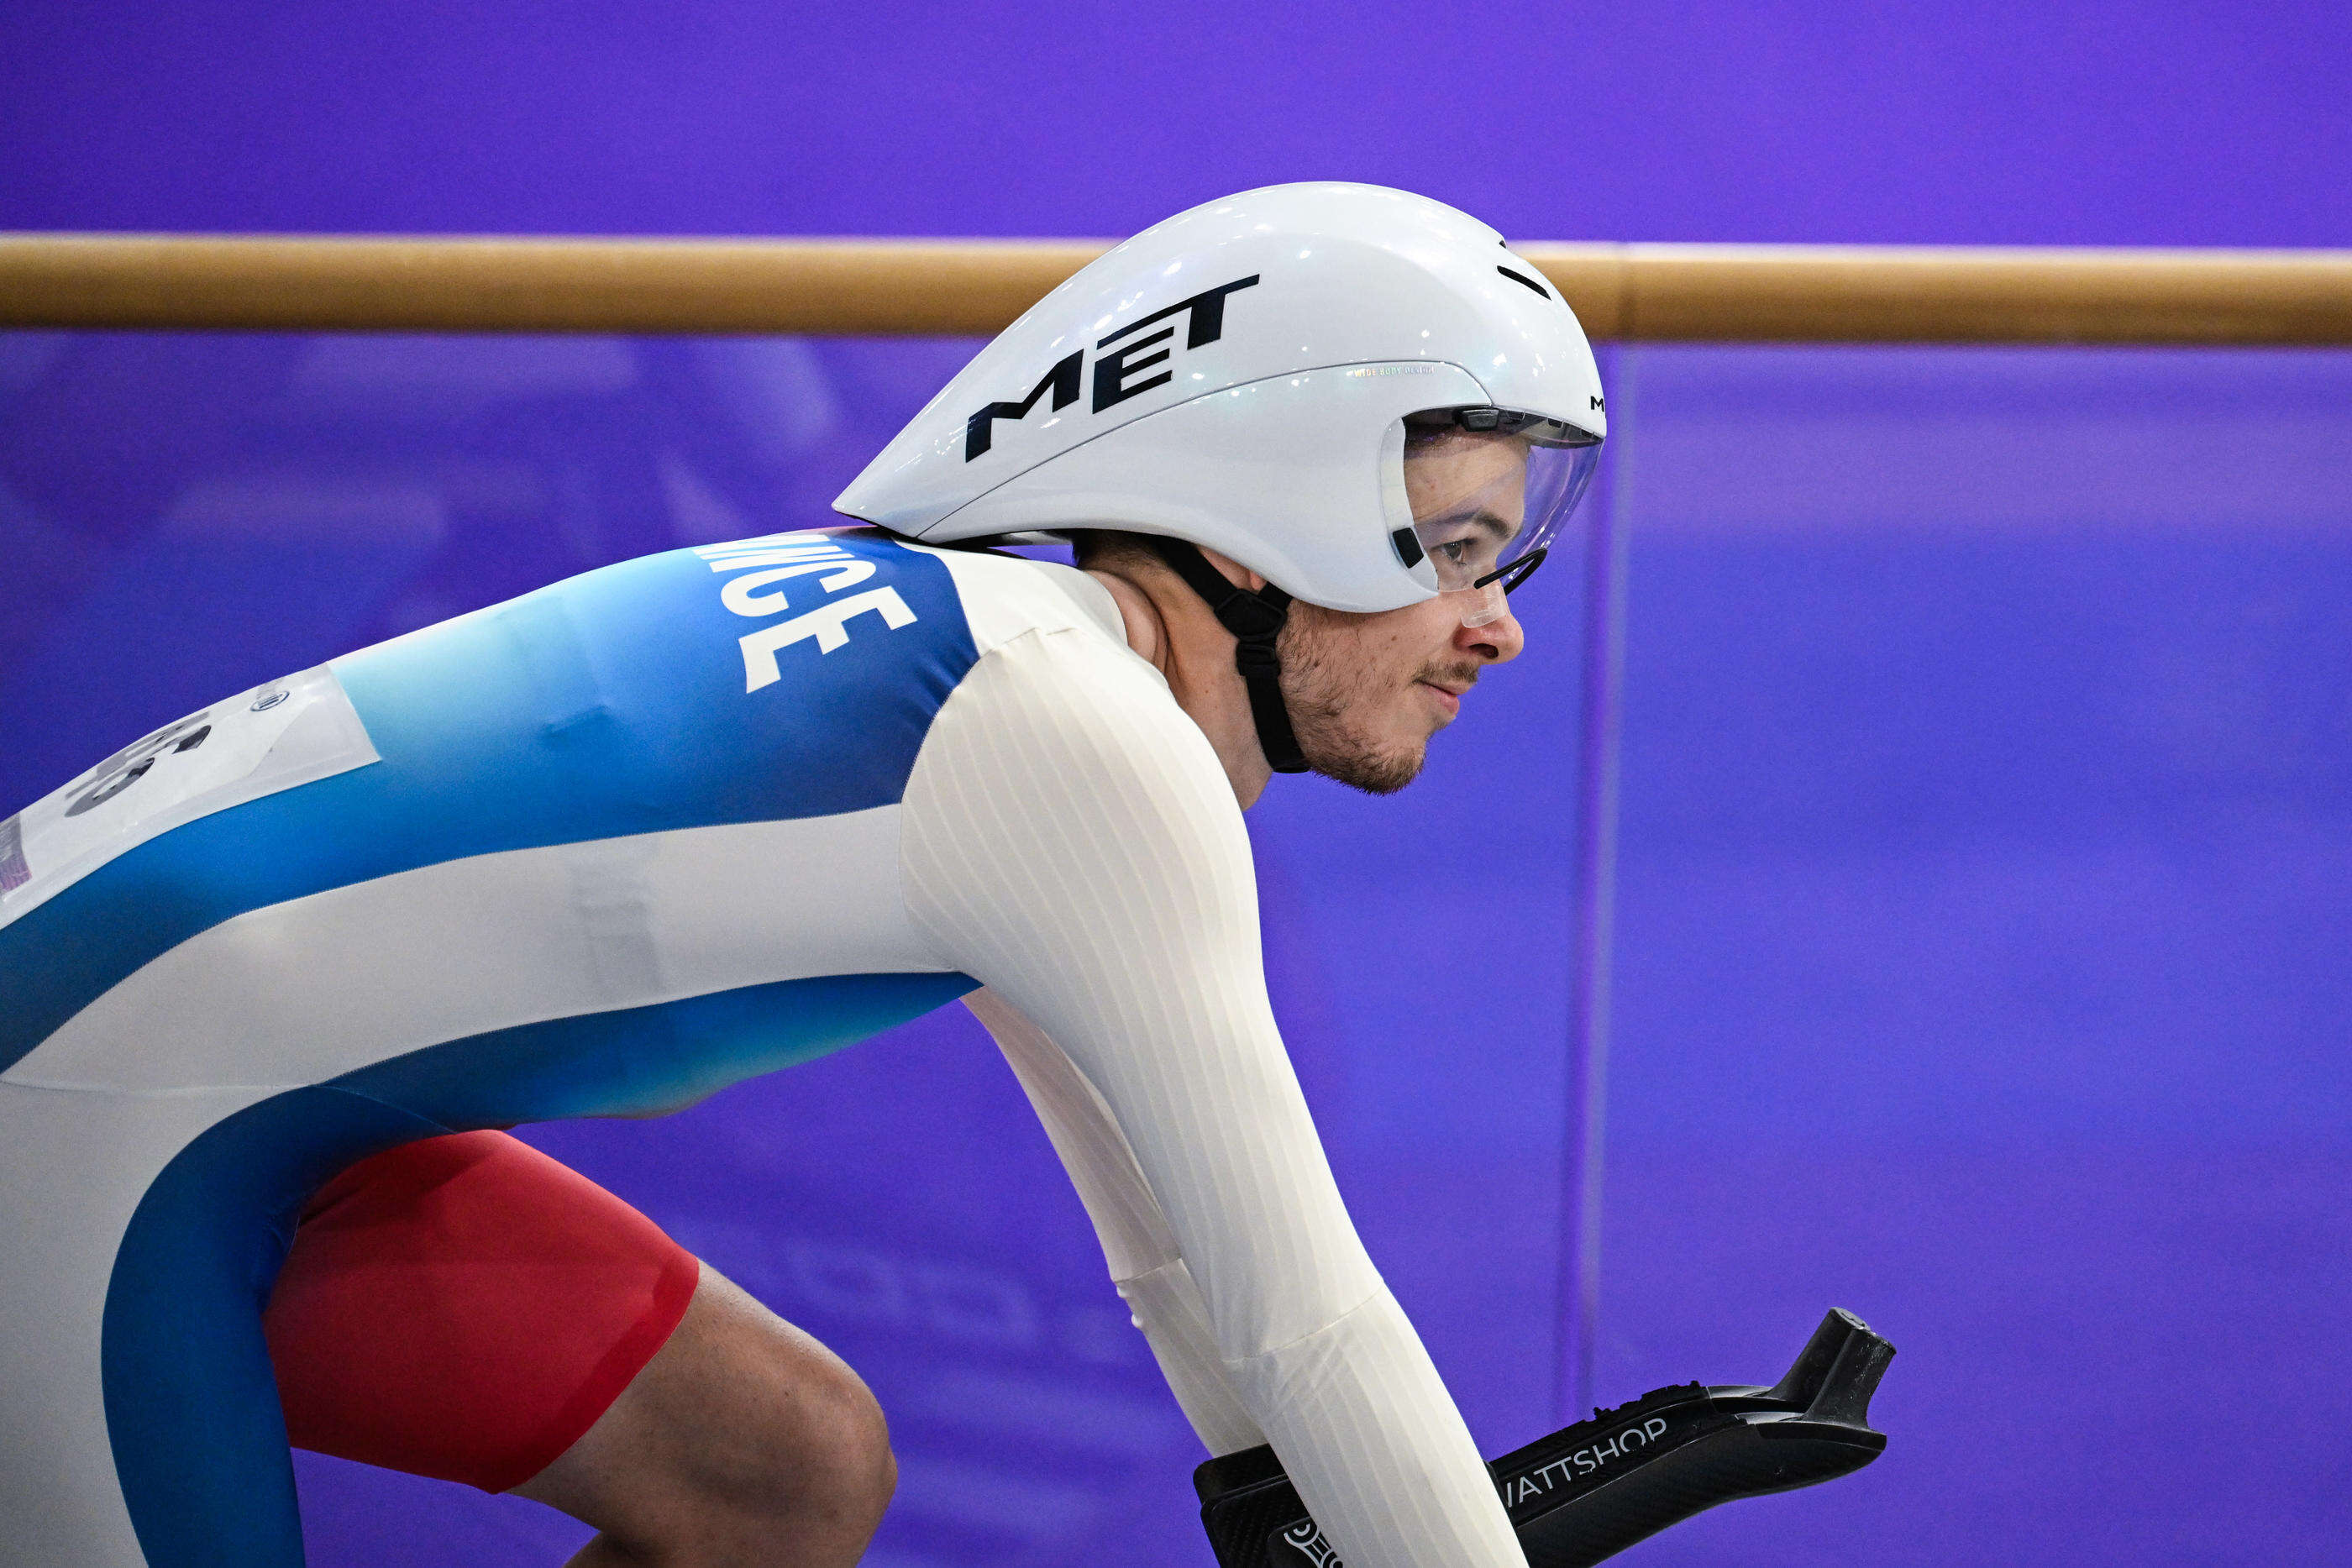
(1263, 375)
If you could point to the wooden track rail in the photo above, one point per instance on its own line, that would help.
(1645, 293)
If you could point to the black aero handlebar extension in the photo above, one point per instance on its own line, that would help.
(1593, 1489)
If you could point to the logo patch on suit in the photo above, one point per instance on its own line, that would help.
(770, 562)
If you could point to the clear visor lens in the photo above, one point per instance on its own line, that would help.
(1488, 503)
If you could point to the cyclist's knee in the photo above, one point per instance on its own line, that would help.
(795, 1461)
(837, 1457)
(744, 1442)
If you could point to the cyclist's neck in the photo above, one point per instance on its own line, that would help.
(1168, 625)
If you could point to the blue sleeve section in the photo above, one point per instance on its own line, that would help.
(643, 1062)
(192, 1408)
(612, 703)
(191, 1411)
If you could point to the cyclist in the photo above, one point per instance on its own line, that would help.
(620, 841)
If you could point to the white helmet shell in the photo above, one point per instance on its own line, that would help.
(1237, 377)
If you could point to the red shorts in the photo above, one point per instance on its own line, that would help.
(466, 1308)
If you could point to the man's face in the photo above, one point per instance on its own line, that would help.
(1366, 692)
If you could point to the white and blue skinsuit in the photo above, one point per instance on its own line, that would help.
(603, 849)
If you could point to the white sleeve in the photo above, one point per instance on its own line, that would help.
(1070, 840)
(1145, 1266)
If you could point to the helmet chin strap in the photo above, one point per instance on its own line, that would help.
(1255, 620)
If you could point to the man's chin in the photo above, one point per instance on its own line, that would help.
(1374, 771)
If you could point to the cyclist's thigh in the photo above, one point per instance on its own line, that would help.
(466, 1308)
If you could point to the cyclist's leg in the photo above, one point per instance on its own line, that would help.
(467, 1308)
(744, 1442)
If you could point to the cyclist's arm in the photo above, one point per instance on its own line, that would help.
(1070, 839)
(1144, 1264)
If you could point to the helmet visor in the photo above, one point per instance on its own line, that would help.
(1489, 490)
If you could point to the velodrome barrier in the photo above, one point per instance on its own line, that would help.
(1633, 293)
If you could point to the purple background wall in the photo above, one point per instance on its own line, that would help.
(1988, 772)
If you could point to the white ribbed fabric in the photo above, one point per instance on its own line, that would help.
(1069, 838)
(1152, 1278)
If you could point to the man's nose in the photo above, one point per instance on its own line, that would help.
(1498, 642)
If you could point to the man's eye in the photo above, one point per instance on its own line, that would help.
(1455, 550)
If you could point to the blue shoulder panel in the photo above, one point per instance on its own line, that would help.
(794, 676)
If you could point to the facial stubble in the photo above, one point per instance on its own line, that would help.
(1329, 686)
